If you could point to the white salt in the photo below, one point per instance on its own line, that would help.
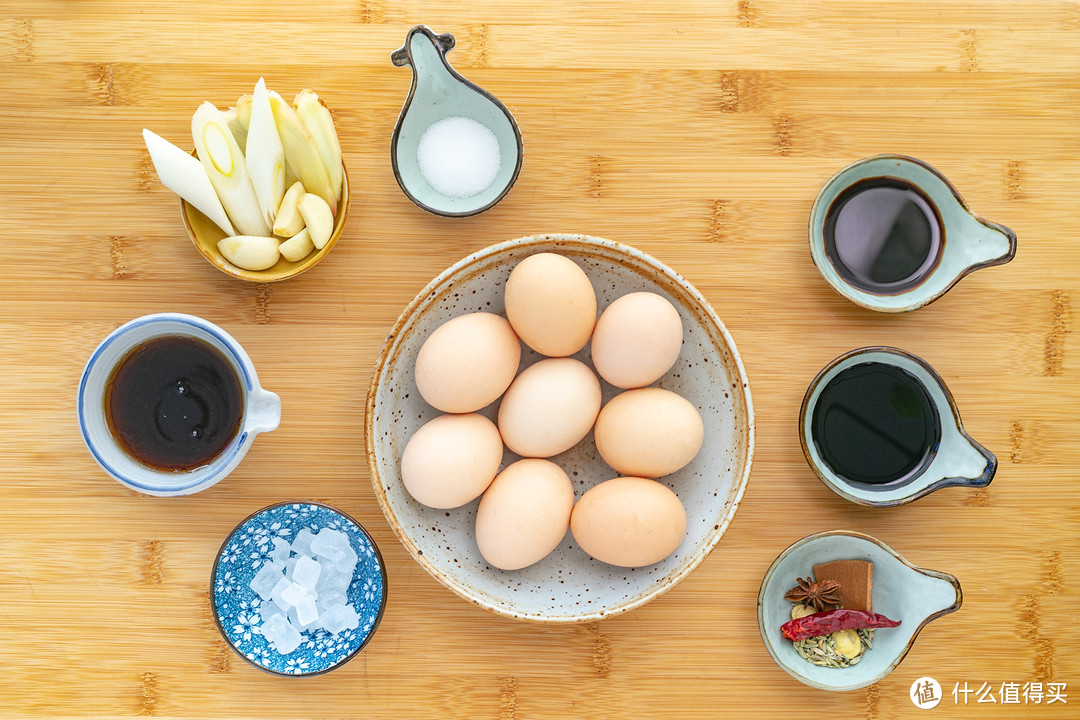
(306, 573)
(459, 157)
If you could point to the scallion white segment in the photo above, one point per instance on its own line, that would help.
(264, 154)
(224, 163)
(185, 176)
(317, 119)
(301, 155)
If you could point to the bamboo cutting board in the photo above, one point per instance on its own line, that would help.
(698, 132)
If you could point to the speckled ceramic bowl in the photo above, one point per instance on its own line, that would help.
(903, 592)
(568, 585)
(236, 606)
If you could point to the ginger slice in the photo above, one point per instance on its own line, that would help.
(856, 578)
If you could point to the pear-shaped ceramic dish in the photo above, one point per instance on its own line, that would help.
(955, 460)
(206, 235)
(438, 92)
(966, 241)
(903, 592)
(567, 586)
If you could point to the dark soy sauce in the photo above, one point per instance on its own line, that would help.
(875, 424)
(174, 403)
(883, 235)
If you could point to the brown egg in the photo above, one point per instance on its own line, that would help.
(551, 304)
(636, 340)
(451, 460)
(648, 432)
(549, 407)
(467, 362)
(629, 522)
(524, 514)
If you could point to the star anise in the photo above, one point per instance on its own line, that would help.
(818, 594)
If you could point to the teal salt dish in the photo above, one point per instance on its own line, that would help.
(957, 459)
(439, 92)
(237, 607)
(968, 242)
(901, 591)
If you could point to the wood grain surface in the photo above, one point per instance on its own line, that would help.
(696, 131)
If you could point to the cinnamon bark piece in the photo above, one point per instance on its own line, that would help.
(856, 578)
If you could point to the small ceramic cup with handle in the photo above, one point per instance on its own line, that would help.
(890, 233)
(879, 427)
(260, 409)
(911, 595)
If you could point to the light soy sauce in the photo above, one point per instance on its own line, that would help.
(874, 424)
(174, 403)
(883, 235)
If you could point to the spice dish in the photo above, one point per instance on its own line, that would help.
(905, 598)
(567, 585)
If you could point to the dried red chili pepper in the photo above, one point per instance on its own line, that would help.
(830, 621)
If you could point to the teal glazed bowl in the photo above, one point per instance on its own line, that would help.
(956, 460)
(967, 241)
(913, 595)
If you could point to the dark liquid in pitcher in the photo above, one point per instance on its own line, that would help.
(883, 235)
(174, 403)
(875, 424)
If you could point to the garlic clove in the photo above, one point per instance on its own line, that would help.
(298, 247)
(288, 220)
(317, 217)
(799, 610)
(250, 252)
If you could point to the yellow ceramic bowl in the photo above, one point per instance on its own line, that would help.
(206, 235)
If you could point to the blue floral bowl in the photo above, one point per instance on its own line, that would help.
(238, 609)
